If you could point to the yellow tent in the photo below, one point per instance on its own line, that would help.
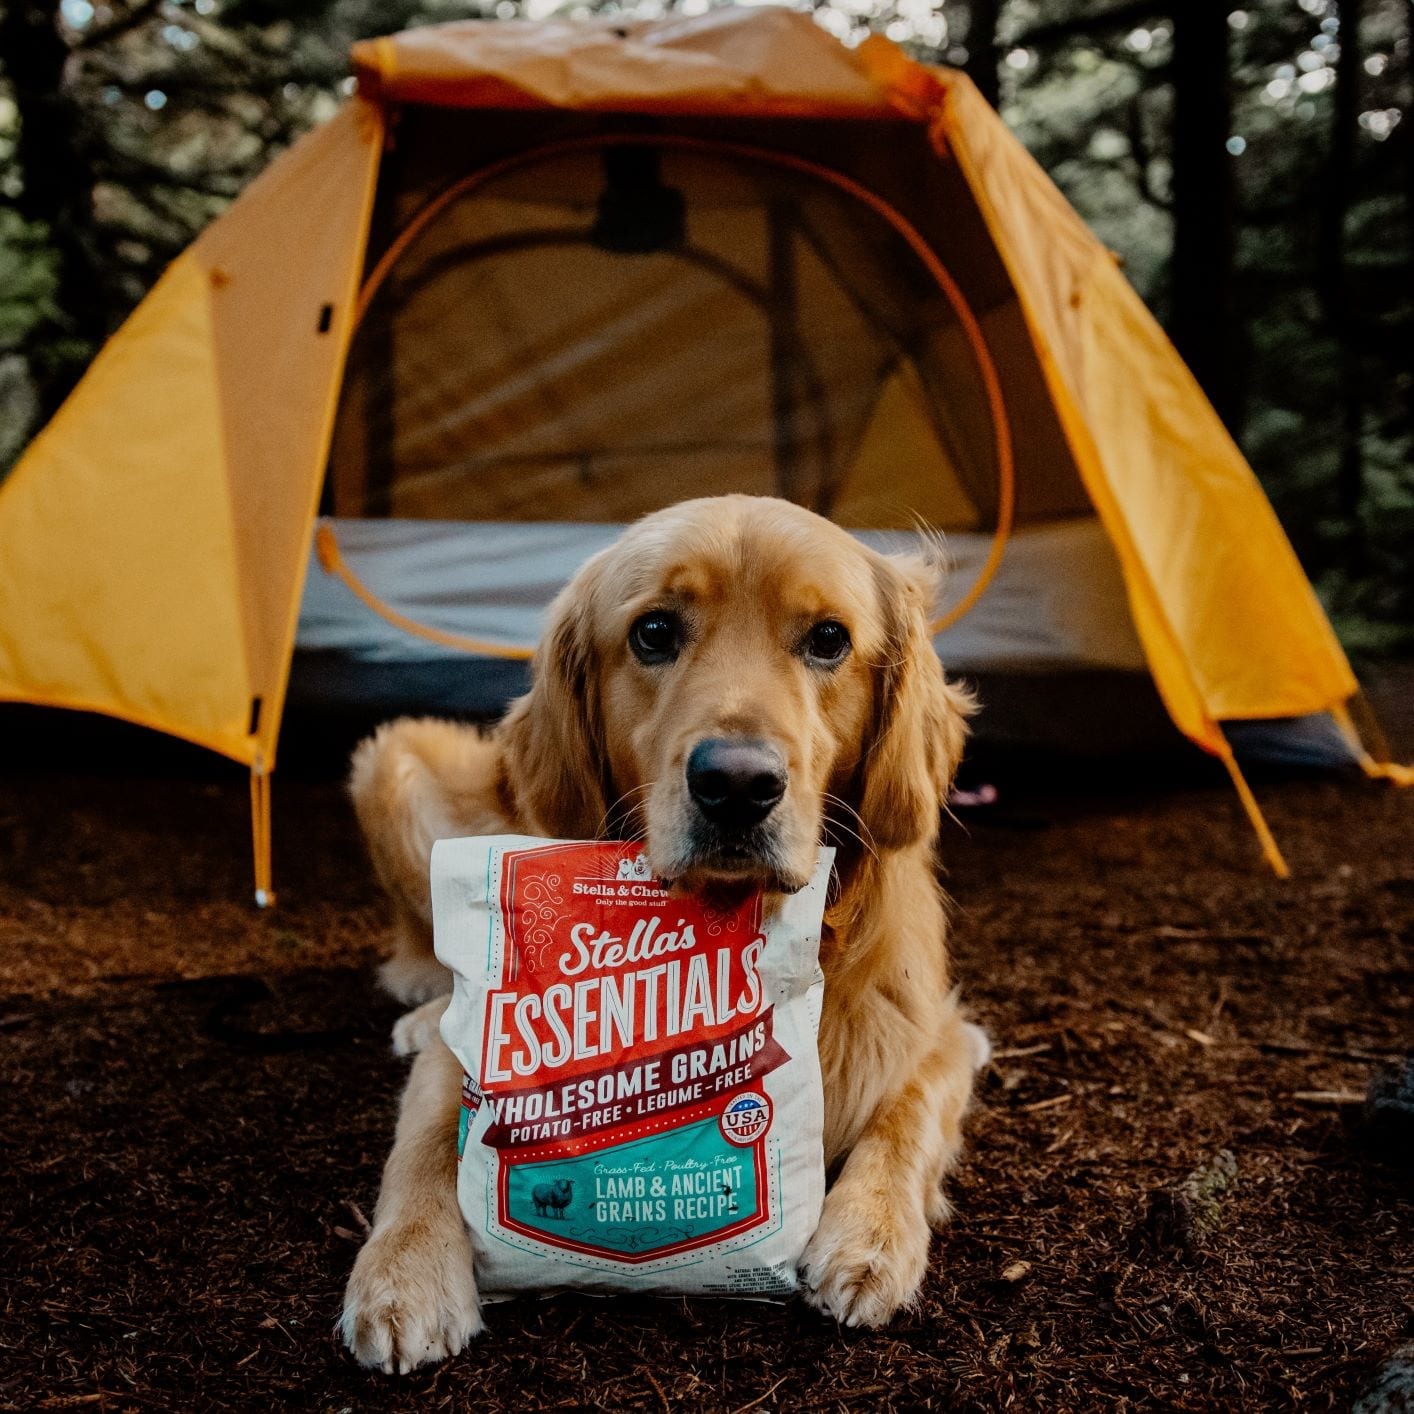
(569, 272)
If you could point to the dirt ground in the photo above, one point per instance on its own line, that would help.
(196, 1098)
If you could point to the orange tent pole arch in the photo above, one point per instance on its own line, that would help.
(327, 545)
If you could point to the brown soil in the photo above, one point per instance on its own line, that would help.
(196, 1099)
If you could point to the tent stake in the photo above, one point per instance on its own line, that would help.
(260, 832)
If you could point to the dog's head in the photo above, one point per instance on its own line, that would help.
(737, 680)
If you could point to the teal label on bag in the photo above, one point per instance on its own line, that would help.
(646, 1199)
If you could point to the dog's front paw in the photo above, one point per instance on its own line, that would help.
(864, 1262)
(979, 1046)
(414, 1031)
(411, 1299)
(413, 979)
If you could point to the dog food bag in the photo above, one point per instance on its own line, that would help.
(642, 1107)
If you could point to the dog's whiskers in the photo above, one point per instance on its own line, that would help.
(609, 813)
(834, 822)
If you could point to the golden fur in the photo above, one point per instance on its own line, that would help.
(598, 746)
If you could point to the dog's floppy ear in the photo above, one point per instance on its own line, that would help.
(920, 719)
(556, 762)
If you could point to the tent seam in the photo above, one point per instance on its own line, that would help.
(215, 280)
(1087, 458)
(275, 705)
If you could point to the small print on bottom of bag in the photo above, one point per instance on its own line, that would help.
(641, 1109)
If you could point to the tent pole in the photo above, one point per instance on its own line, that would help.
(1270, 851)
(260, 832)
(783, 316)
(331, 561)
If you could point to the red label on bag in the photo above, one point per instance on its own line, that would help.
(600, 965)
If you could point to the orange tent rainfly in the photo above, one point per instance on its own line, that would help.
(537, 279)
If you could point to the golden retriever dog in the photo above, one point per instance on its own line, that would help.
(735, 681)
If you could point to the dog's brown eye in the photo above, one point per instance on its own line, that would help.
(656, 637)
(827, 642)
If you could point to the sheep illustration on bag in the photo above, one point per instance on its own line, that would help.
(556, 1196)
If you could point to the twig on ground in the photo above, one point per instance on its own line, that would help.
(844, 1396)
(761, 1398)
(358, 1216)
(1017, 1052)
(658, 1389)
(1218, 1005)
(1300, 1048)
(1047, 1104)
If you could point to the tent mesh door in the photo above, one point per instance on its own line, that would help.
(599, 333)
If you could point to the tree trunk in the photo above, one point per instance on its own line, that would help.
(982, 64)
(57, 192)
(1407, 124)
(1203, 320)
(1331, 278)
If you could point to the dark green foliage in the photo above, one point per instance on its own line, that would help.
(1320, 391)
(125, 128)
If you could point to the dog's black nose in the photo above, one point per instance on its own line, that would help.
(736, 781)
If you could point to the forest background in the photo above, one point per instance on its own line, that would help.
(1253, 168)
